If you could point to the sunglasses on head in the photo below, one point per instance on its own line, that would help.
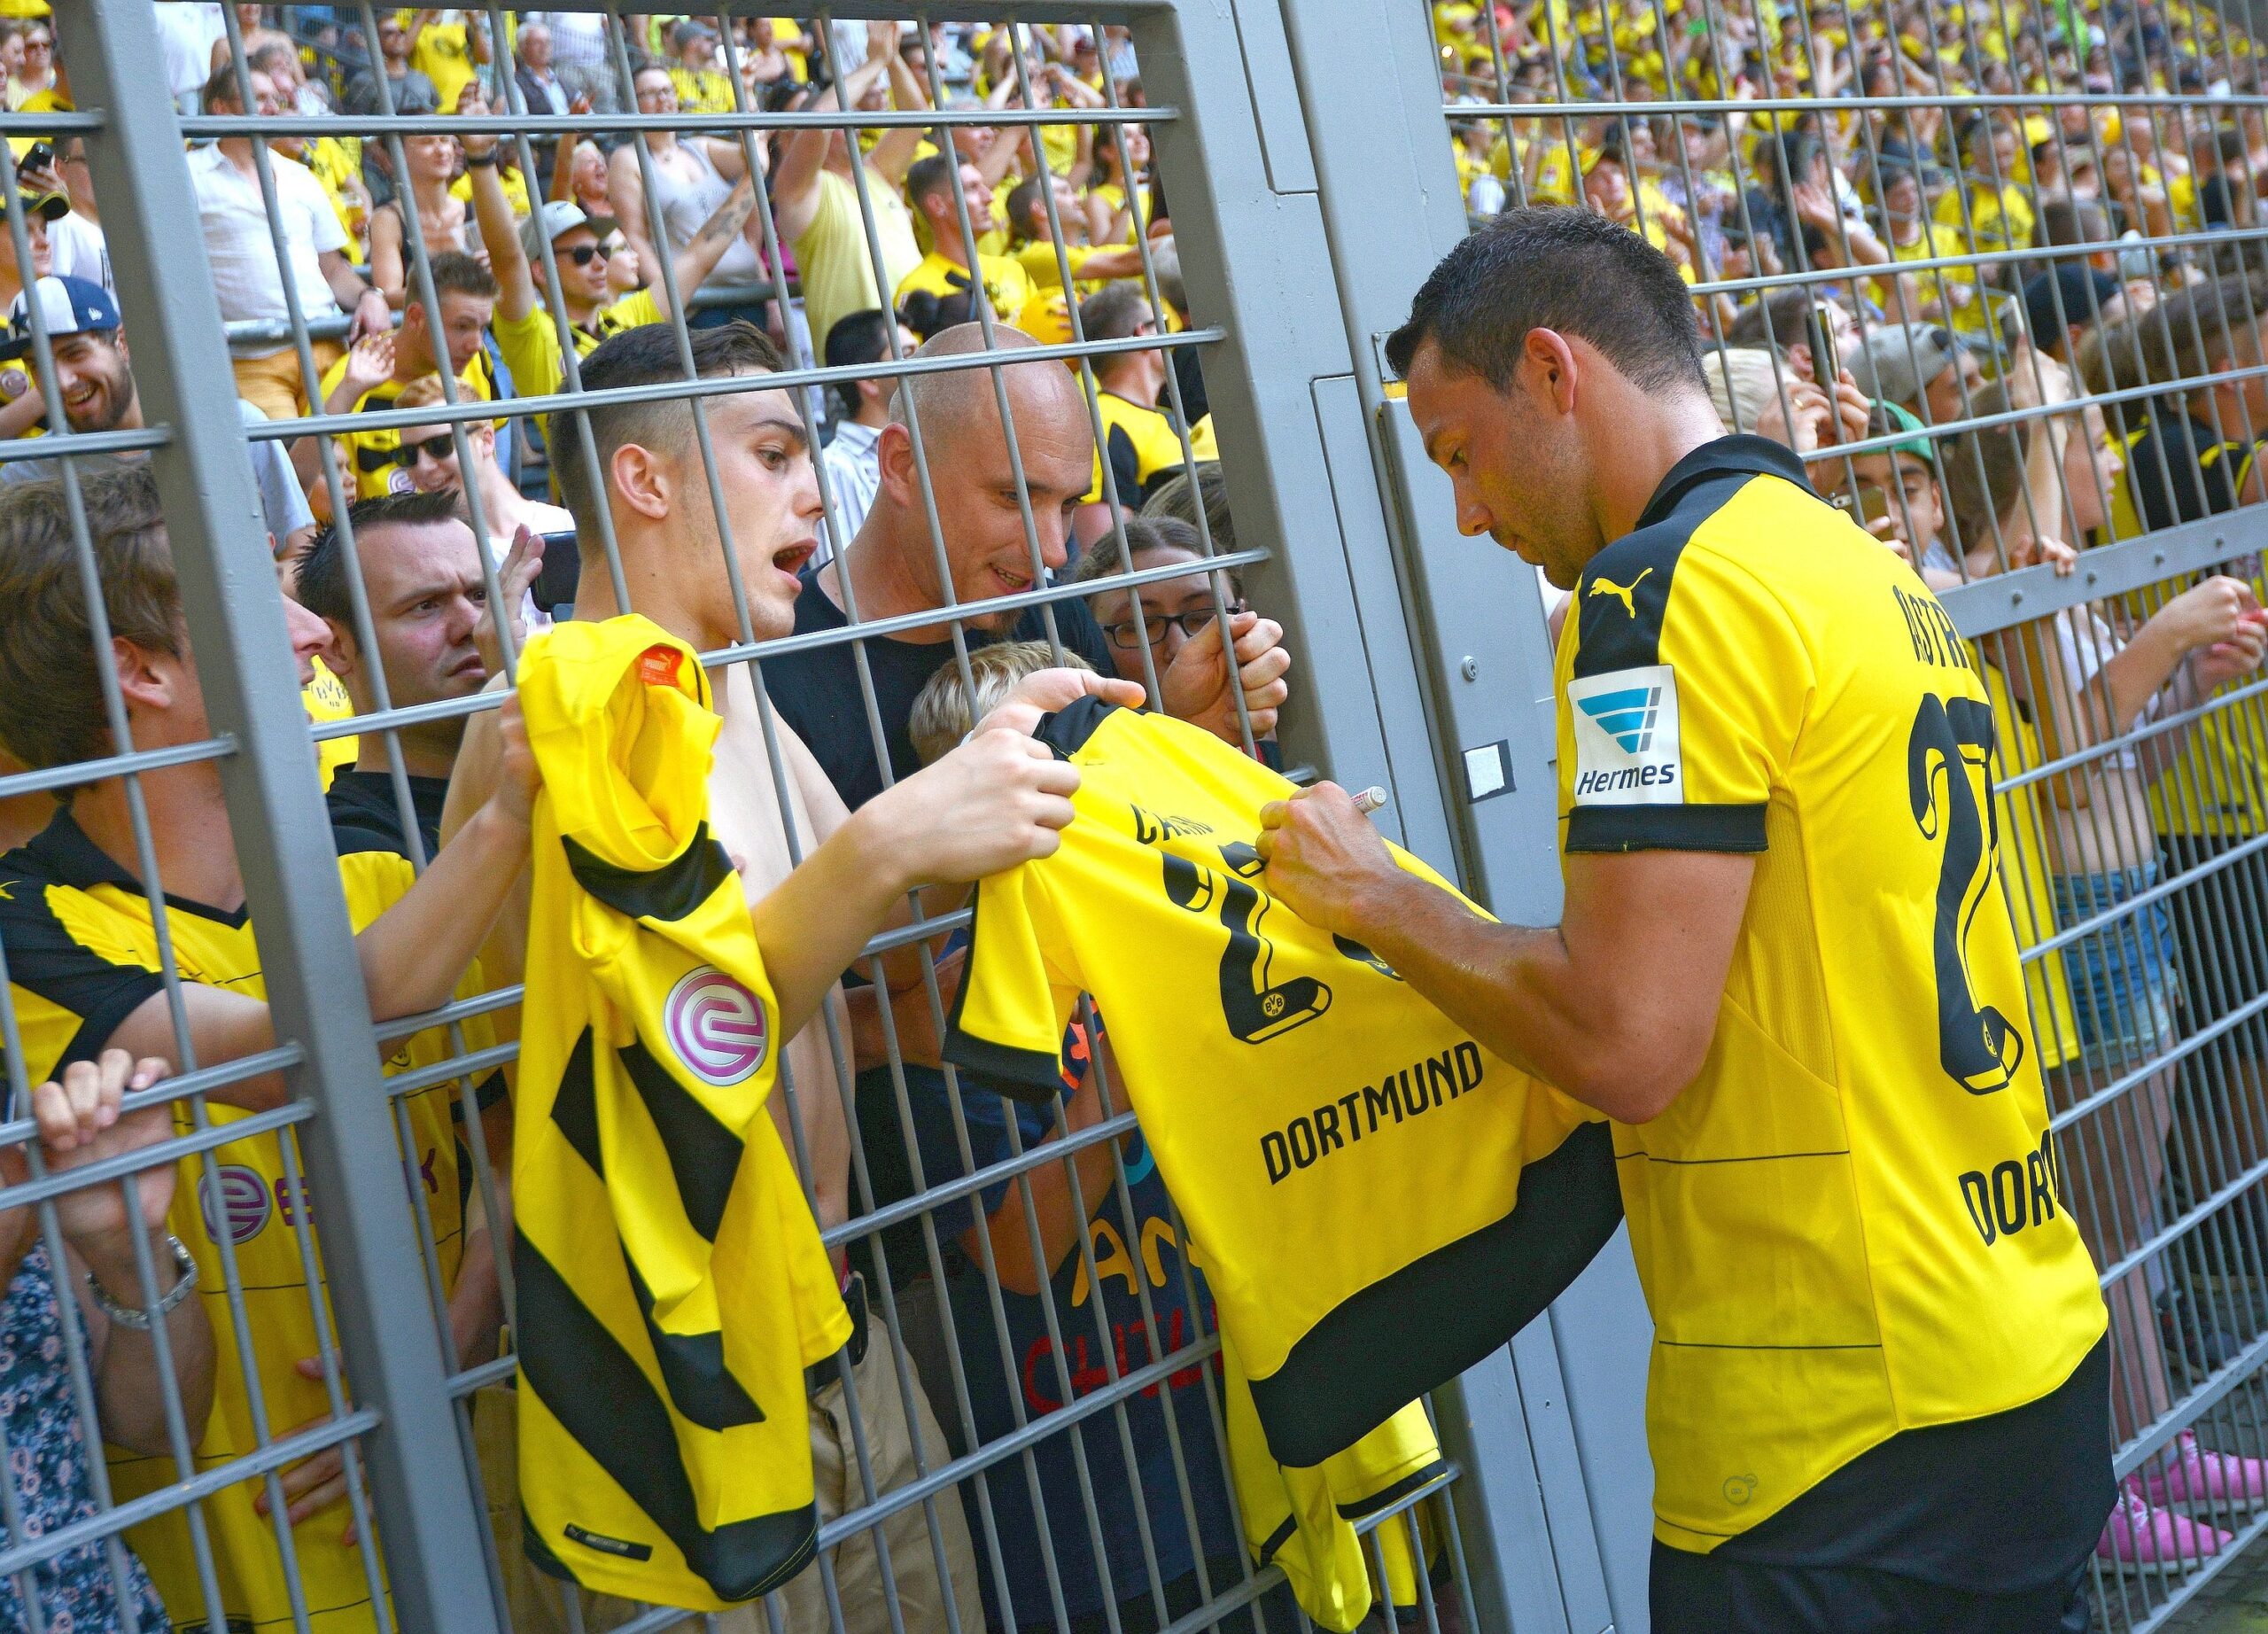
(436, 448)
(583, 254)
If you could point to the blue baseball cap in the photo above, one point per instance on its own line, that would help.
(69, 307)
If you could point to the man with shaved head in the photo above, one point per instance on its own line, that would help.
(987, 564)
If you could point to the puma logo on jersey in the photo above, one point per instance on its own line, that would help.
(1623, 593)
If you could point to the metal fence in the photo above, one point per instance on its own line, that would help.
(1023, 1445)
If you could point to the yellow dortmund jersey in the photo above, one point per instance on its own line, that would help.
(1141, 445)
(529, 344)
(1348, 1159)
(2024, 871)
(443, 54)
(325, 699)
(515, 194)
(671, 1284)
(1851, 1222)
(81, 956)
(336, 162)
(1006, 283)
(1047, 315)
(374, 454)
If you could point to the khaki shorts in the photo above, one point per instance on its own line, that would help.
(923, 1582)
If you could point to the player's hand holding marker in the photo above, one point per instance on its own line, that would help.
(1323, 856)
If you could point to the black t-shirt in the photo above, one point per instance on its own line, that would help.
(817, 691)
(364, 817)
(2182, 471)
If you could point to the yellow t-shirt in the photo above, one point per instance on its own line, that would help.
(702, 91)
(508, 177)
(1006, 284)
(83, 955)
(443, 55)
(838, 275)
(1852, 1222)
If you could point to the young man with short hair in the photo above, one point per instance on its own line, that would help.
(423, 346)
(988, 803)
(944, 271)
(1139, 441)
(436, 641)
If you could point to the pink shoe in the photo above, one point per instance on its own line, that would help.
(2198, 1477)
(2142, 1538)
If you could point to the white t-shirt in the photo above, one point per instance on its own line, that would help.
(247, 270)
(79, 251)
(187, 33)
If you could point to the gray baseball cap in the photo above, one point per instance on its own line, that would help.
(557, 216)
(1899, 360)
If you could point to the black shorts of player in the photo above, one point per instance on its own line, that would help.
(1700, 1594)
(1983, 1527)
(2223, 964)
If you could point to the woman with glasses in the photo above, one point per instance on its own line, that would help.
(1148, 625)
(36, 71)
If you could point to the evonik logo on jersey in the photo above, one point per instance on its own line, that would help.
(716, 1026)
(1626, 745)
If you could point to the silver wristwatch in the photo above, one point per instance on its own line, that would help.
(142, 1321)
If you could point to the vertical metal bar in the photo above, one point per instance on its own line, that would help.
(420, 1493)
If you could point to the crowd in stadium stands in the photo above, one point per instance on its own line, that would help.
(433, 269)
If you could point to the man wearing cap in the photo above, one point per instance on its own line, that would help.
(527, 332)
(1926, 368)
(701, 88)
(94, 377)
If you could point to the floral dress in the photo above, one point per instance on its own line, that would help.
(49, 1465)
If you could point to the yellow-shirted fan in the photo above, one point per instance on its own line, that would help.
(83, 955)
(671, 1284)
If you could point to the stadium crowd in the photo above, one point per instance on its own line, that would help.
(2000, 331)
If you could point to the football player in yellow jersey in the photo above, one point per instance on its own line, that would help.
(1878, 1389)
(83, 966)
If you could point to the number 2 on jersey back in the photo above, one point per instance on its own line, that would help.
(1979, 1047)
(1255, 1009)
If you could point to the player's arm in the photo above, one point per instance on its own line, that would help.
(412, 955)
(1616, 1005)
